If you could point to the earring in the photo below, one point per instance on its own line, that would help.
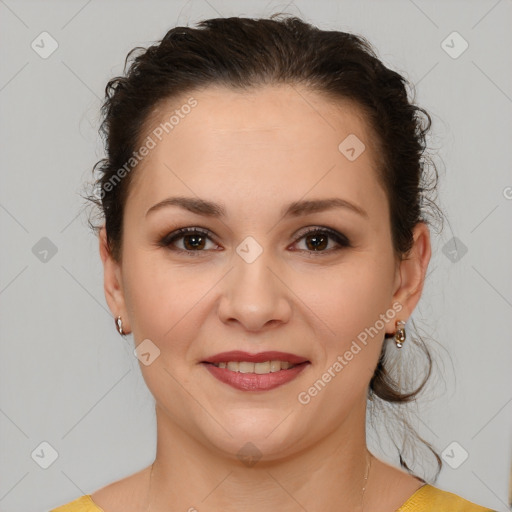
(119, 326)
(399, 335)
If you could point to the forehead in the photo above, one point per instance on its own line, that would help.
(258, 143)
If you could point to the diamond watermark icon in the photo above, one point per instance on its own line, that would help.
(454, 455)
(44, 45)
(351, 147)
(249, 454)
(44, 250)
(146, 352)
(249, 249)
(454, 250)
(45, 455)
(454, 45)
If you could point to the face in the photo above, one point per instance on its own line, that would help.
(274, 271)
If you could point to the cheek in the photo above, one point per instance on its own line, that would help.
(162, 300)
(159, 296)
(351, 305)
(349, 301)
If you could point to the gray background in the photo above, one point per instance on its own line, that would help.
(67, 377)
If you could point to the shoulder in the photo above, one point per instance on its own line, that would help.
(125, 495)
(431, 499)
(82, 504)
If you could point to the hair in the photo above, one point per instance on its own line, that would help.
(243, 54)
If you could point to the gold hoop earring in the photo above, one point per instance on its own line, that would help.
(399, 335)
(119, 326)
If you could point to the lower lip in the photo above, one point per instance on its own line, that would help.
(255, 381)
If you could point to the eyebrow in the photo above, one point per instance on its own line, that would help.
(294, 209)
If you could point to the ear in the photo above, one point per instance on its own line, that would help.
(410, 275)
(112, 282)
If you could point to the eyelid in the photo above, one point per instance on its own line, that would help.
(178, 233)
(341, 239)
(322, 229)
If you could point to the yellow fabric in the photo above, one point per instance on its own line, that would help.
(426, 499)
(82, 504)
(431, 499)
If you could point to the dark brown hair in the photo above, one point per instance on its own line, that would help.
(243, 53)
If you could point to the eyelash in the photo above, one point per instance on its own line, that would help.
(339, 238)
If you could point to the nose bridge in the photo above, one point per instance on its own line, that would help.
(253, 295)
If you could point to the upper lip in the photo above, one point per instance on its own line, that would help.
(260, 357)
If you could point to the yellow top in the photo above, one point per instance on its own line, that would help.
(426, 499)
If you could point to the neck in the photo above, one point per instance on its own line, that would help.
(330, 475)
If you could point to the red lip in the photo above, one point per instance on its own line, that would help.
(253, 381)
(261, 357)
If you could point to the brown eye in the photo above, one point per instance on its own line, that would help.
(317, 240)
(193, 240)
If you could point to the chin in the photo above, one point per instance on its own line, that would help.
(254, 437)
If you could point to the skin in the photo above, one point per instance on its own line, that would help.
(254, 152)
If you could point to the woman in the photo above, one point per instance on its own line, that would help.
(265, 243)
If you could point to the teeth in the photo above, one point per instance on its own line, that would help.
(259, 368)
(262, 367)
(275, 366)
(244, 367)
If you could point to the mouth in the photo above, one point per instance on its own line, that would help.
(255, 372)
(271, 366)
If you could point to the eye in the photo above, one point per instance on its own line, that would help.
(194, 240)
(317, 240)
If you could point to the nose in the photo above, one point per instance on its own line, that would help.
(255, 295)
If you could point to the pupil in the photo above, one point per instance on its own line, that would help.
(317, 243)
(314, 241)
(197, 238)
